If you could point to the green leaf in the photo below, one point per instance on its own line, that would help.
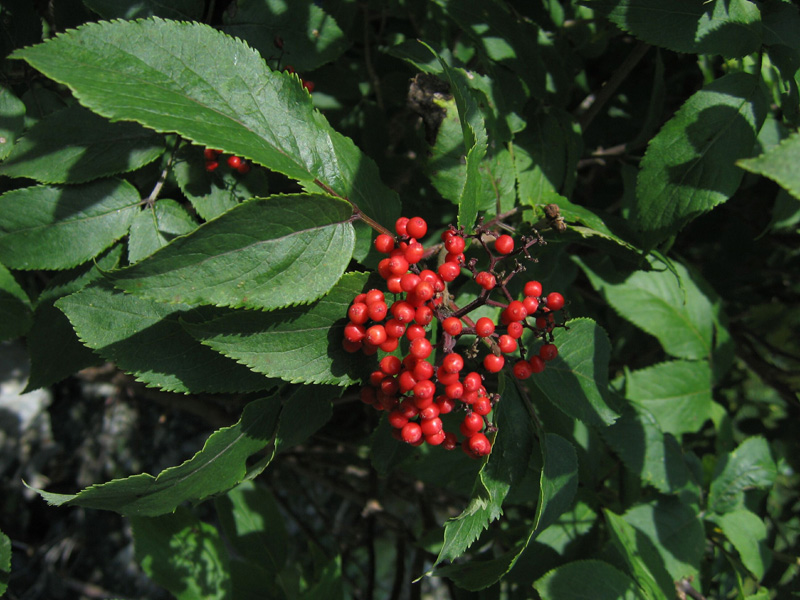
(303, 414)
(183, 554)
(646, 451)
(577, 380)
(15, 307)
(220, 465)
(297, 344)
(74, 145)
(254, 526)
(690, 165)
(585, 579)
(558, 482)
(781, 22)
(12, 120)
(310, 36)
(676, 311)
(624, 537)
(146, 339)
(676, 393)
(57, 228)
(161, 74)
(748, 534)
(749, 466)
(674, 534)
(266, 253)
(729, 27)
(138, 9)
(5, 562)
(779, 163)
(155, 226)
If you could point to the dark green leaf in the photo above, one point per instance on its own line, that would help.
(219, 466)
(303, 413)
(577, 380)
(5, 562)
(266, 253)
(150, 71)
(57, 228)
(139, 9)
(75, 145)
(676, 393)
(12, 119)
(15, 307)
(690, 166)
(183, 554)
(781, 22)
(309, 36)
(155, 226)
(586, 579)
(146, 339)
(748, 534)
(749, 466)
(298, 344)
(779, 163)
(624, 538)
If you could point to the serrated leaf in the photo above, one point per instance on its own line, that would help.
(155, 226)
(161, 74)
(266, 253)
(308, 409)
(146, 339)
(12, 120)
(74, 145)
(15, 307)
(138, 9)
(297, 344)
(309, 35)
(676, 393)
(749, 466)
(5, 562)
(577, 380)
(748, 534)
(690, 165)
(584, 579)
(646, 451)
(779, 163)
(221, 464)
(675, 534)
(183, 554)
(730, 27)
(676, 311)
(46, 227)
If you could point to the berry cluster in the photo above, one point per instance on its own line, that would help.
(236, 163)
(416, 390)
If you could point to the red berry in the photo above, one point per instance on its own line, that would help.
(403, 311)
(486, 280)
(430, 412)
(522, 369)
(368, 395)
(454, 390)
(455, 244)
(504, 244)
(390, 345)
(516, 311)
(376, 335)
(431, 426)
(507, 344)
(444, 377)
(243, 168)
(411, 433)
(472, 422)
(423, 315)
(484, 327)
(483, 407)
(420, 348)
(309, 85)
(377, 311)
(414, 253)
(211, 165)
(555, 301)
(398, 265)
(450, 441)
(493, 363)
(400, 226)
(479, 445)
(394, 328)
(533, 289)
(397, 419)
(445, 404)
(515, 329)
(384, 243)
(452, 325)
(393, 285)
(548, 352)
(545, 323)
(436, 439)
(374, 296)
(390, 365)
(210, 154)
(407, 381)
(416, 227)
(537, 364)
(414, 331)
(354, 332)
(422, 370)
(531, 304)
(472, 382)
(455, 257)
(452, 363)
(234, 162)
(424, 291)
(351, 346)
(358, 313)
(448, 271)
(424, 389)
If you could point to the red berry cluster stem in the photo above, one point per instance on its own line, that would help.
(236, 163)
(416, 390)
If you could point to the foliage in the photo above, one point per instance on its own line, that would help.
(652, 146)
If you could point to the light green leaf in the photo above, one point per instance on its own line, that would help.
(5, 562)
(183, 554)
(266, 253)
(749, 466)
(690, 165)
(220, 465)
(146, 339)
(12, 120)
(676, 393)
(155, 226)
(624, 538)
(298, 344)
(75, 145)
(15, 307)
(577, 380)
(677, 312)
(779, 163)
(748, 534)
(310, 36)
(586, 579)
(161, 74)
(57, 228)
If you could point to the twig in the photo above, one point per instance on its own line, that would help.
(151, 199)
(684, 588)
